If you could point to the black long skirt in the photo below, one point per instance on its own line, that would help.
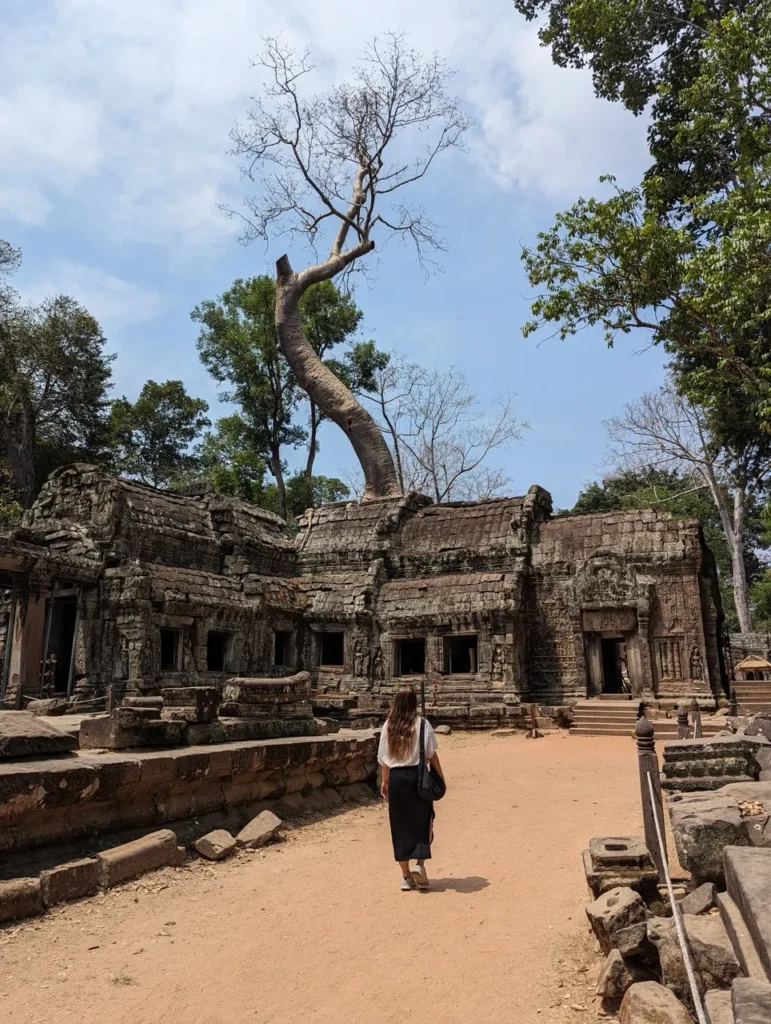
(410, 816)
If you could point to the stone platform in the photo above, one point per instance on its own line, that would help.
(85, 793)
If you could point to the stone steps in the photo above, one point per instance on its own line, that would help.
(618, 717)
(740, 937)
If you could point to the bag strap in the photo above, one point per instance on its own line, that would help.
(422, 741)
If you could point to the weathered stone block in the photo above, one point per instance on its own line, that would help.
(751, 1001)
(748, 878)
(53, 707)
(69, 881)
(216, 845)
(717, 1003)
(618, 975)
(157, 850)
(713, 955)
(647, 1002)
(20, 897)
(703, 824)
(259, 831)
(610, 913)
(616, 861)
(700, 901)
(26, 735)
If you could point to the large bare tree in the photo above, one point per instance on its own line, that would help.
(331, 168)
(440, 434)
(665, 430)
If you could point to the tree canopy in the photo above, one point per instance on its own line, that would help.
(151, 438)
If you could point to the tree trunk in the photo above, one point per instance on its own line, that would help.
(278, 475)
(21, 458)
(738, 568)
(328, 392)
(312, 444)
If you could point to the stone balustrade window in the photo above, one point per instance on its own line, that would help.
(410, 656)
(170, 643)
(460, 654)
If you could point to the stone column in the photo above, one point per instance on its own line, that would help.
(648, 764)
(27, 646)
(648, 688)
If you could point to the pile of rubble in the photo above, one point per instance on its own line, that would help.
(722, 833)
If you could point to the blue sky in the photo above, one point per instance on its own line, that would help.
(114, 122)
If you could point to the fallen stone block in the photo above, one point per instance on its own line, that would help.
(142, 702)
(612, 862)
(748, 879)
(751, 1001)
(703, 824)
(259, 831)
(711, 762)
(191, 703)
(20, 897)
(647, 1002)
(713, 956)
(700, 901)
(69, 881)
(52, 707)
(718, 1006)
(633, 940)
(443, 730)
(26, 735)
(157, 850)
(618, 975)
(612, 912)
(216, 845)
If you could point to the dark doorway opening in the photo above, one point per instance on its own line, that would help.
(460, 654)
(217, 650)
(611, 667)
(282, 649)
(169, 650)
(410, 657)
(60, 640)
(331, 649)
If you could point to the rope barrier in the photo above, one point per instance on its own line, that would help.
(676, 915)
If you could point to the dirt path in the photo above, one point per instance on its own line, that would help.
(316, 929)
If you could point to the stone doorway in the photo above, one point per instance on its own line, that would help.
(613, 653)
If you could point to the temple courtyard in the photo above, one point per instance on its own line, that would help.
(316, 929)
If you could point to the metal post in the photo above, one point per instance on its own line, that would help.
(696, 718)
(734, 703)
(71, 673)
(8, 645)
(649, 764)
(682, 721)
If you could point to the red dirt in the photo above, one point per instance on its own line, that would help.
(315, 929)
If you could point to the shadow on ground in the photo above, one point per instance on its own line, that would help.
(474, 883)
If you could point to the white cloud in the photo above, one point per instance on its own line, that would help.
(121, 112)
(114, 302)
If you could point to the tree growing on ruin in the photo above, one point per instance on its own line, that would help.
(331, 169)
(665, 430)
(151, 438)
(54, 380)
(440, 434)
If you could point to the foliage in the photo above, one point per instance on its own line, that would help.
(10, 509)
(151, 437)
(54, 378)
(230, 463)
(652, 55)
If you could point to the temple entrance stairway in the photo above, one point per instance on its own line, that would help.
(600, 716)
(753, 695)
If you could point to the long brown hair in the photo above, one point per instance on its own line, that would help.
(401, 722)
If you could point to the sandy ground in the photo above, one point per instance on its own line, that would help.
(315, 928)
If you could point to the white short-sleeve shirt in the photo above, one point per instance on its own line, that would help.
(412, 757)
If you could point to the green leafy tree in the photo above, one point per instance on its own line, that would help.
(237, 344)
(649, 54)
(152, 437)
(54, 379)
(230, 462)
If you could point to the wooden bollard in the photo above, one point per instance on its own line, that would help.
(696, 719)
(648, 763)
(682, 721)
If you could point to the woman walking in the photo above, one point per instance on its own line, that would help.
(410, 814)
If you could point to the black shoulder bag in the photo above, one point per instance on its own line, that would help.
(430, 784)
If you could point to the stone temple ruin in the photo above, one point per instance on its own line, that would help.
(492, 605)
